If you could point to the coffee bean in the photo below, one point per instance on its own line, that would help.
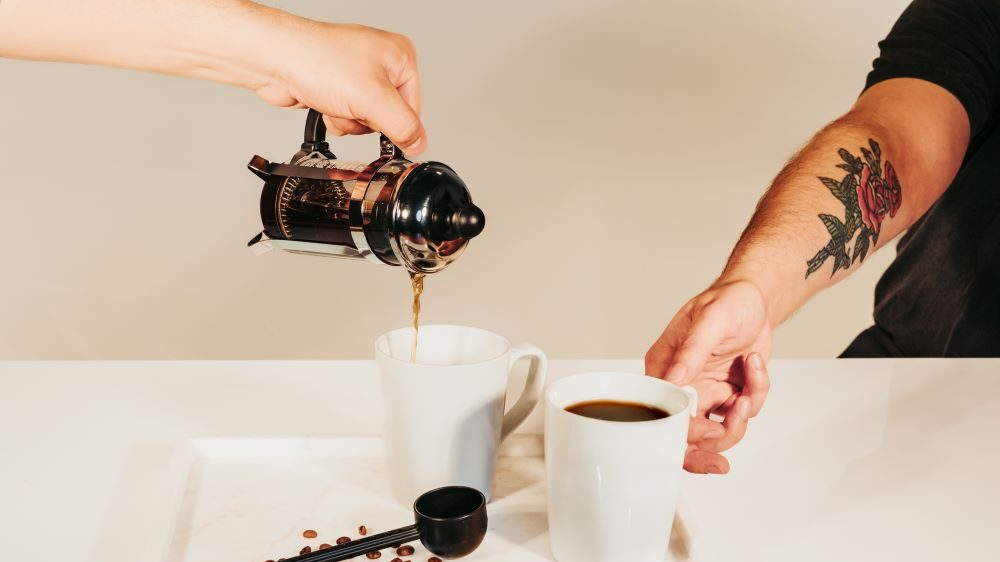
(306, 550)
(362, 530)
(342, 540)
(396, 559)
(433, 559)
(404, 550)
(325, 546)
(309, 534)
(373, 555)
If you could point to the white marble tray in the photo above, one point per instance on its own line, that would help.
(249, 499)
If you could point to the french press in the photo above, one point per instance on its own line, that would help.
(391, 211)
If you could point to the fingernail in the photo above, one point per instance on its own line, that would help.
(756, 361)
(744, 409)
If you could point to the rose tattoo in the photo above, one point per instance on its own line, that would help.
(868, 193)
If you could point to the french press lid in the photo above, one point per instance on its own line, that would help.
(393, 211)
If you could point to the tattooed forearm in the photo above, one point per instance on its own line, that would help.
(869, 192)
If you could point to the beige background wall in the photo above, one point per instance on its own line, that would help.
(618, 148)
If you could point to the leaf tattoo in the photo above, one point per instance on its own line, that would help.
(868, 193)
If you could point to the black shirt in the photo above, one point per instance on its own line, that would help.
(941, 296)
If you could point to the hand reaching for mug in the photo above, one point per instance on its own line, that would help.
(718, 343)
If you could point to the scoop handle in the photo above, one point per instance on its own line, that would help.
(359, 547)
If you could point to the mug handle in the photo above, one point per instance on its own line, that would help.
(532, 386)
(692, 395)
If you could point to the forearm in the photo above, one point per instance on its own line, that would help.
(360, 78)
(809, 233)
(220, 40)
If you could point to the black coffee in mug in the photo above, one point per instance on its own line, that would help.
(617, 410)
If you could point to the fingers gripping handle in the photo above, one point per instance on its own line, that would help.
(532, 387)
(314, 137)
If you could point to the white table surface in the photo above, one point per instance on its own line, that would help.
(850, 459)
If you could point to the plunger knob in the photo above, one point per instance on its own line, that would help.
(470, 221)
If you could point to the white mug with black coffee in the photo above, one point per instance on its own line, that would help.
(614, 449)
(445, 410)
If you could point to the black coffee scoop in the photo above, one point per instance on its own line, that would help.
(450, 522)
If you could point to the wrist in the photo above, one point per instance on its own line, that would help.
(235, 42)
(774, 299)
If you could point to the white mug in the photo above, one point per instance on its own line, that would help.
(612, 485)
(445, 411)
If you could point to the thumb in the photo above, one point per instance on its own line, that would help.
(394, 118)
(704, 335)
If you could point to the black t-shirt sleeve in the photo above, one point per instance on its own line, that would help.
(952, 43)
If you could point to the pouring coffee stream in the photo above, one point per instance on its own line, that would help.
(417, 282)
(391, 211)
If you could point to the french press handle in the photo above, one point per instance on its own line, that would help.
(314, 139)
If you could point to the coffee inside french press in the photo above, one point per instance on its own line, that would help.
(390, 211)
